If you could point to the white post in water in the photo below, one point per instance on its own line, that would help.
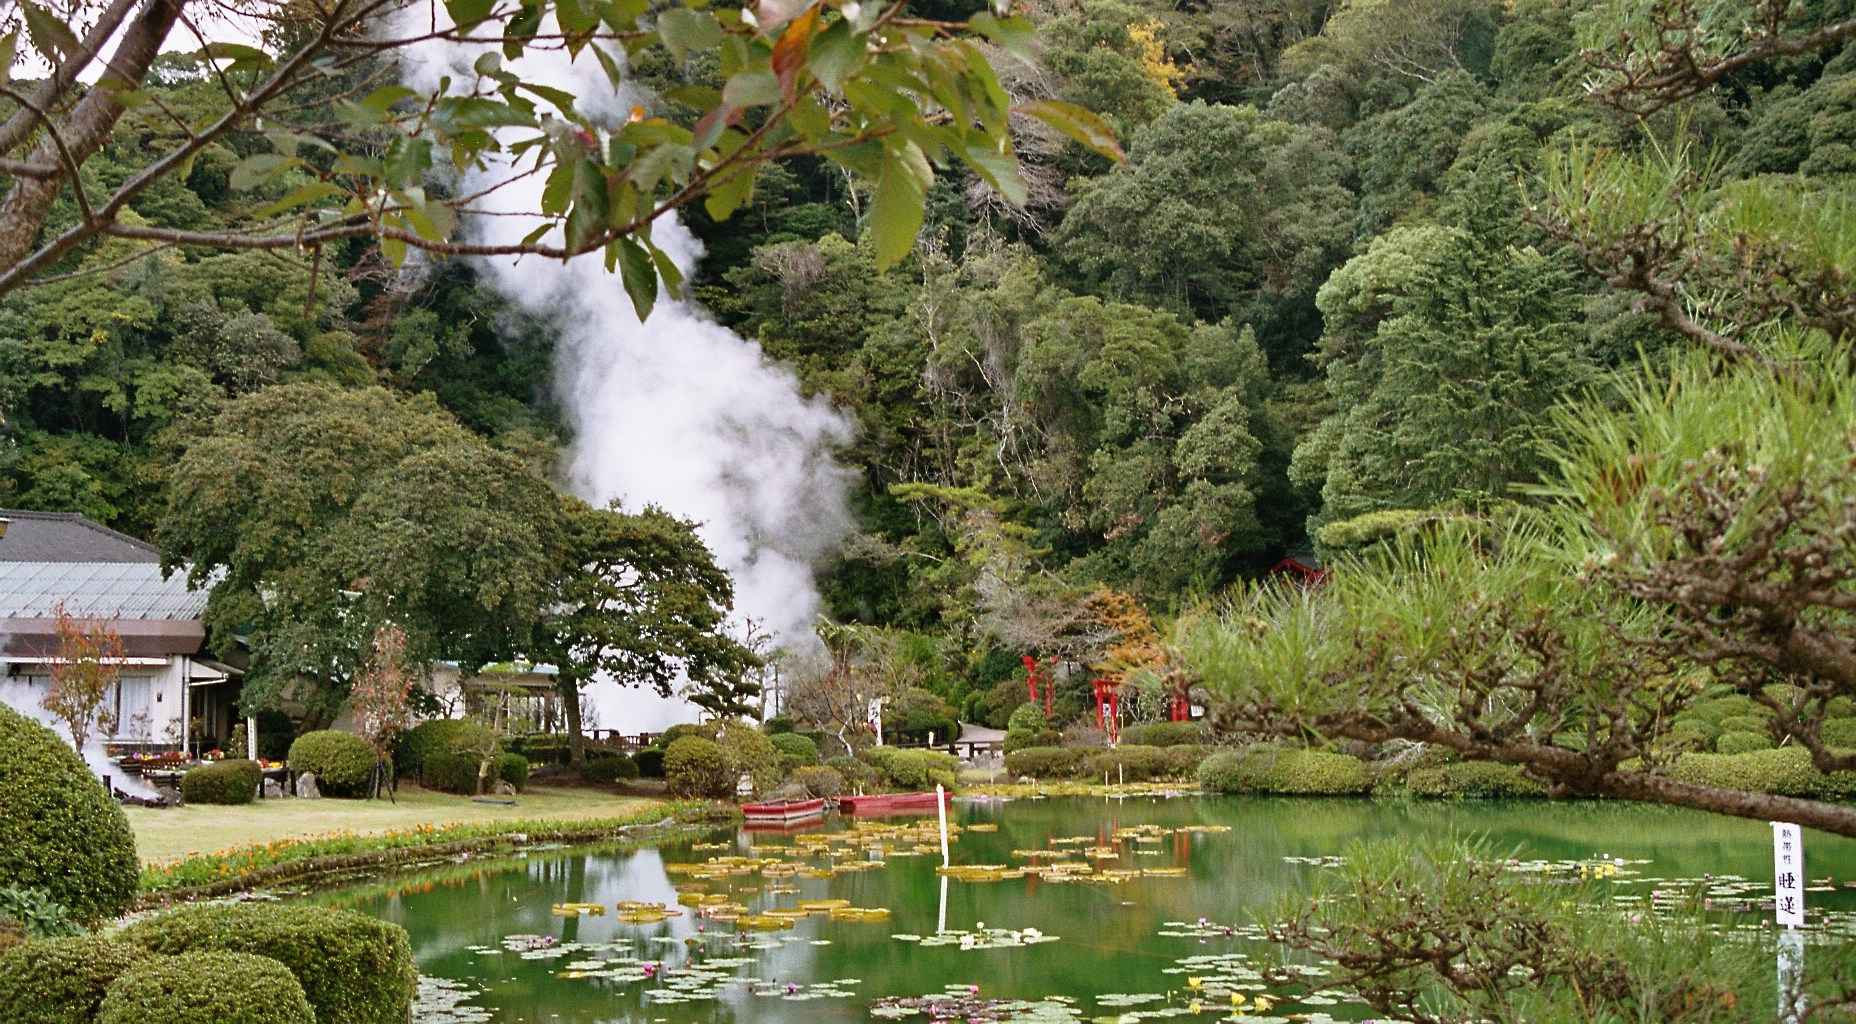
(1788, 910)
(940, 806)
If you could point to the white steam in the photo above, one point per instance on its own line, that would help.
(676, 411)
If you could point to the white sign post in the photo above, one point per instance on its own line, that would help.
(1788, 910)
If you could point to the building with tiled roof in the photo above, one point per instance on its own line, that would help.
(51, 560)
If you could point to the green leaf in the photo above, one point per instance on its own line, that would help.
(258, 169)
(1082, 125)
(667, 270)
(757, 88)
(685, 31)
(896, 214)
(9, 52)
(407, 159)
(301, 196)
(243, 58)
(1000, 169)
(1014, 35)
(467, 13)
(639, 273)
(48, 33)
(836, 54)
(724, 199)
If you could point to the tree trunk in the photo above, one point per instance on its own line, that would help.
(78, 135)
(569, 689)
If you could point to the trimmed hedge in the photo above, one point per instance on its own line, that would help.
(650, 762)
(1168, 734)
(450, 772)
(222, 782)
(856, 774)
(1839, 732)
(1133, 762)
(913, 769)
(819, 780)
(794, 745)
(607, 770)
(60, 832)
(1287, 770)
(420, 742)
(749, 752)
(1785, 771)
(342, 762)
(62, 981)
(1474, 779)
(354, 969)
(206, 988)
(1048, 762)
(697, 767)
(1745, 723)
(1740, 742)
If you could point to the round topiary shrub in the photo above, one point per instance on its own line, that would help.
(1048, 762)
(354, 969)
(60, 832)
(438, 736)
(513, 769)
(1168, 734)
(449, 772)
(62, 981)
(819, 780)
(650, 762)
(697, 767)
(1744, 723)
(682, 729)
(342, 762)
(749, 753)
(796, 746)
(1266, 768)
(1740, 742)
(857, 775)
(223, 782)
(607, 770)
(206, 988)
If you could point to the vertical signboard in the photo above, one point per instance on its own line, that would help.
(1787, 874)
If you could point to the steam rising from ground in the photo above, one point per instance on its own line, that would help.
(676, 411)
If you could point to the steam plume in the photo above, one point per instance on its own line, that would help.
(676, 411)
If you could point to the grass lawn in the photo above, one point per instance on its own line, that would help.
(162, 835)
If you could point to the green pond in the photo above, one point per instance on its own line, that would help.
(1102, 949)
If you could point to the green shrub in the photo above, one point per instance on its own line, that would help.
(1715, 709)
(697, 767)
(607, 770)
(61, 981)
(1167, 734)
(779, 724)
(912, 769)
(856, 774)
(420, 742)
(1266, 768)
(342, 762)
(1133, 762)
(1694, 733)
(60, 832)
(1839, 732)
(794, 745)
(354, 969)
(1785, 771)
(819, 780)
(1049, 762)
(36, 914)
(206, 988)
(1740, 742)
(680, 730)
(1746, 723)
(751, 753)
(513, 769)
(1475, 779)
(223, 782)
(450, 772)
(650, 762)
(1027, 717)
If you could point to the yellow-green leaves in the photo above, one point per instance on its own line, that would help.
(1082, 125)
(896, 212)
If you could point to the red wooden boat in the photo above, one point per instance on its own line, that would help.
(890, 803)
(784, 810)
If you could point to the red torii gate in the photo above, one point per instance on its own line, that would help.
(1037, 675)
(1108, 708)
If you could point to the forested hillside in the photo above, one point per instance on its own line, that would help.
(1318, 300)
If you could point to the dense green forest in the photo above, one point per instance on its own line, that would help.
(1317, 301)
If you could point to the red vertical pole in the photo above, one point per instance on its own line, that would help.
(1031, 677)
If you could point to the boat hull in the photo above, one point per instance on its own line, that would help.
(890, 803)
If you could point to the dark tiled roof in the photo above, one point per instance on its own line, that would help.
(68, 537)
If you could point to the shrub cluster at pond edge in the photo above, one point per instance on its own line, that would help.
(353, 969)
(1266, 768)
(1128, 762)
(342, 762)
(1786, 771)
(206, 988)
(62, 981)
(1473, 779)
